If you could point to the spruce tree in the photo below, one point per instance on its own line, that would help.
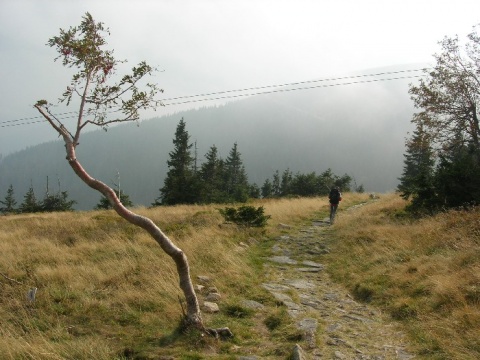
(457, 177)
(236, 181)
(30, 204)
(9, 202)
(104, 204)
(417, 180)
(56, 202)
(211, 175)
(179, 184)
(276, 189)
(305, 184)
(267, 189)
(343, 182)
(254, 192)
(286, 183)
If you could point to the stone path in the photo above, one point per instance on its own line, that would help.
(334, 325)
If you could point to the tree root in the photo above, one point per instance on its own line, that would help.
(220, 333)
(196, 322)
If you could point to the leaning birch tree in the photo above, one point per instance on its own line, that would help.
(102, 102)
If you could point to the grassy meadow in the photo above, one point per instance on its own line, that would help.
(107, 291)
(424, 273)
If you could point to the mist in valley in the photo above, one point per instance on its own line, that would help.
(356, 129)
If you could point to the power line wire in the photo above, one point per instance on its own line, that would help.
(35, 117)
(293, 89)
(295, 83)
(20, 122)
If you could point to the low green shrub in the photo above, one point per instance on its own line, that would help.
(248, 216)
(363, 293)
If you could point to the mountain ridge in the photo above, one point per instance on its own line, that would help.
(356, 129)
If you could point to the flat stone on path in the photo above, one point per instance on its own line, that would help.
(308, 324)
(275, 287)
(283, 260)
(286, 300)
(252, 304)
(312, 270)
(301, 284)
(210, 307)
(312, 264)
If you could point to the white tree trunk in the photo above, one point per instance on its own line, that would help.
(193, 314)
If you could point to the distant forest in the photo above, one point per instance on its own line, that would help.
(302, 136)
(214, 181)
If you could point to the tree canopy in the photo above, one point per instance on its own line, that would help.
(442, 164)
(102, 102)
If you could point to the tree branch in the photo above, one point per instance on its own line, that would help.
(10, 279)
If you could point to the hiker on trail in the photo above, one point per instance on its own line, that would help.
(334, 197)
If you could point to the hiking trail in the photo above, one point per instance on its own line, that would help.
(333, 324)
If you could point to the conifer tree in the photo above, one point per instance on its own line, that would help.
(236, 180)
(211, 176)
(457, 178)
(30, 203)
(305, 184)
(255, 192)
(104, 204)
(267, 189)
(286, 182)
(276, 190)
(179, 184)
(9, 202)
(343, 182)
(417, 180)
(326, 181)
(56, 202)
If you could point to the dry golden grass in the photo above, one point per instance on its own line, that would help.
(105, 288)
(425, 272)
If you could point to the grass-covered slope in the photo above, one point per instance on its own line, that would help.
(107, 291)
(423, 272)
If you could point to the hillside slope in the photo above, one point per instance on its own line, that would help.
(106, 289)
(356, 129)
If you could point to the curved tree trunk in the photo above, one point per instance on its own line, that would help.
(193, 317)
(81, 48)
(193, 314)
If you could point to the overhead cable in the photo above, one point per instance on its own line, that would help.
(294, 84)
(287, 87)
(293, 89)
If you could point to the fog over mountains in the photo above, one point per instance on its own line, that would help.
(357, 129)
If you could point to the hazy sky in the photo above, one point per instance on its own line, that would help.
(207, 46)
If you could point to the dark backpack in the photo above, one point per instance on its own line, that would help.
(334, 196)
